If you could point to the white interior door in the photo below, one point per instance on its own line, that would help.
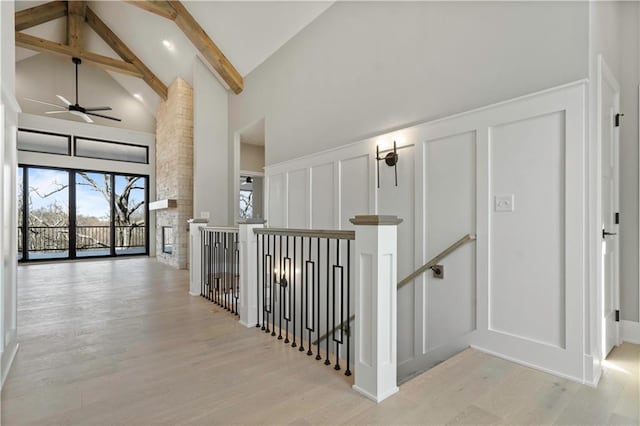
(608, 110)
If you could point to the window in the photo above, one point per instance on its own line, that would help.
(65, 213)
(48, 143)
(167, 239)
(106, 150)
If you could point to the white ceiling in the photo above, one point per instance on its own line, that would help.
(247, 32)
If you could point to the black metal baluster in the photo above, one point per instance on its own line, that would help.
(268, 277)
(287, 290)
(313, 299)
(264, 283)
(216, 249)
(293, 345)
(318, 357)
(210, 277)
(236, 279)
(280, 288)
(258, 238)
(303, 275)
(347, 372)
(337, 366)
(326, 361)
(202, 262)
(273, 293)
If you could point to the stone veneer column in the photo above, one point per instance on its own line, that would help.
(174, 170)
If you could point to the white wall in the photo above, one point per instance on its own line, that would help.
(9, 109)
(251, 158)
(48, 124)
(44, 76)
(363, 68)
(211, 171)
(495, 296)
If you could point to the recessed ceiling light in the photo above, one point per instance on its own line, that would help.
(138, 96)
(167, 44)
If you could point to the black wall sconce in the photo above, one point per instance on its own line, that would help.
(390, 159)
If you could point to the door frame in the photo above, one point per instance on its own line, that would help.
(605, 74)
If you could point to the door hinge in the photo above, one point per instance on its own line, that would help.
(616, 219)
(617, 119)
(617, 315)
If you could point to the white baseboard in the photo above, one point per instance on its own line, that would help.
(374, 398)
(194, 294)
(7, 360)
(535, 367)
(631, 331)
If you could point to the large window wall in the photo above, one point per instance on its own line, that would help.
(69, 213)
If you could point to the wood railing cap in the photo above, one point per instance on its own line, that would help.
(375, 220)
(253, 221)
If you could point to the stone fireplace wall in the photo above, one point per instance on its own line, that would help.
(174, 170)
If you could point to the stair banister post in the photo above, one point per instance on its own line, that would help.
(195, 254)
(375, 366)
(248, 271)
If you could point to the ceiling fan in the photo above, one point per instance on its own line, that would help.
(76, 109)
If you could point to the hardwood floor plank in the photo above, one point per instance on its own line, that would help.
(121, 342)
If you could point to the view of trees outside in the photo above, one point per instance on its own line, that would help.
(246, 204)
(48, 218)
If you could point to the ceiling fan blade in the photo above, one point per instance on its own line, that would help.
(63, 99)
(102, 108)
(86, 118)
(45, 103)
(55, 112)
(104, 116)
(82, 115)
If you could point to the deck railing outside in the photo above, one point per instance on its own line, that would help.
(44, 239)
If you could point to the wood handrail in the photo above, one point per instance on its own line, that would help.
(309, 233)
(433, 262)
(430, 264)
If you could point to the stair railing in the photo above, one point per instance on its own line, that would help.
(432, 264)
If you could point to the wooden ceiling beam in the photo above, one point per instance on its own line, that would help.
(75, 18)
(125, 53)
(37, 15)
(41, 45)
(198, 37)
(201, 40)
(161, 8)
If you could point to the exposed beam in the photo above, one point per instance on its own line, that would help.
(125, 53)
(201, 40)
(161, 8)
(41, 45)
(40, 14)
(75, 18)
(176, 11)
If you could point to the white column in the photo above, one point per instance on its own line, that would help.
(195, 255)
(249, 271)
(375, 364)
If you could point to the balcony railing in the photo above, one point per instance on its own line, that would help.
(55, 239)
(299, 284)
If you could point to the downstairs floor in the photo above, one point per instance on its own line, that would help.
(122, 342)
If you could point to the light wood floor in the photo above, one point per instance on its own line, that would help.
(121, 342)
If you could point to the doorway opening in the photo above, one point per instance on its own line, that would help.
(249, 187)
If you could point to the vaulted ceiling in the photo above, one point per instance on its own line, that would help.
(246, 32)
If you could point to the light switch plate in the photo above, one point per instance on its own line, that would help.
(504, 203)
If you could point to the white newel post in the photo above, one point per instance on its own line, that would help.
(249, 272)
(375, 364)
(195, 255)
